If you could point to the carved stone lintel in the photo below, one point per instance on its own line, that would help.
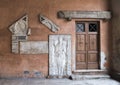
(60, 55)
(84, 14)
(48, 23)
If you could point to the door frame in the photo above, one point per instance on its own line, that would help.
(74, 59)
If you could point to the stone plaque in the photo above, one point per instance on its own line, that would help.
(60, 55)
(33, 47)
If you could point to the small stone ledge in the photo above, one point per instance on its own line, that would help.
(81, 77)
(84, 14)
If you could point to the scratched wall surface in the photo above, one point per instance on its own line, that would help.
(16, 65)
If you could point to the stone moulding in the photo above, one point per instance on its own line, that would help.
(84, 14)
(33, 47)
(48, 23)
(59, 55)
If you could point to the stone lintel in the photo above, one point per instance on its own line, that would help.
(84, 14)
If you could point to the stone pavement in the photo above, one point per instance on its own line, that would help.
(25, 81)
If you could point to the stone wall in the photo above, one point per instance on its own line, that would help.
(115, 4)
(16, 65)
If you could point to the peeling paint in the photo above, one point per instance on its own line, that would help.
(102, 61)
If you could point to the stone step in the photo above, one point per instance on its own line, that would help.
(81, 77)
(90, 72)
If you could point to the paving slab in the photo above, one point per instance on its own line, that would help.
(26, 81)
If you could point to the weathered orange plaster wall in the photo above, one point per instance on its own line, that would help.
(14, 65)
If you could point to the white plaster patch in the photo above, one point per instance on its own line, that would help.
(102, 61)
(33, 47)
(59, 55)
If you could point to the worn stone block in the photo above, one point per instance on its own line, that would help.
(15, 47)
(60, 55)
(33, 47)
(84, 14)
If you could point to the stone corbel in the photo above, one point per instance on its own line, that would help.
(48, 23)
(69, 15)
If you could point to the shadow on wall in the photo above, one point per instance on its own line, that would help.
(115, 74)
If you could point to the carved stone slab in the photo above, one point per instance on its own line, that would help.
(33, 47)
(20, 27)
(84, 14)
(19, 32)
(60, 55)
(48, 23)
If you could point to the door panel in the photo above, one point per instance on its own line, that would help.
(92, 42)
(87, 52)
(81, 42)
(93, 61)
(81, 58)
(92, 58)
(81, 61)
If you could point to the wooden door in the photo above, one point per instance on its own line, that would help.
(87, 45)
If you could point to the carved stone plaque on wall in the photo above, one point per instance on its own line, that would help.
(60, 55)
(48, 23)
(20, 32)
(33, 47)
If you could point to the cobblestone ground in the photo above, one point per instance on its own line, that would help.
(25, 81)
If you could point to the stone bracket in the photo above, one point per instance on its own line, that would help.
(84, 15)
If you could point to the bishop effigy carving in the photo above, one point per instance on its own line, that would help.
(48, 23)
(59, 55)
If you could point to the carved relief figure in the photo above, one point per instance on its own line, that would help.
(48, 23)
(60, 55)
